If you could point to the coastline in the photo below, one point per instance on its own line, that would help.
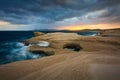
(97, 54)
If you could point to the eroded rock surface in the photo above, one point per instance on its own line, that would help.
(99, 59)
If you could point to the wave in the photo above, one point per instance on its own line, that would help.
(15, 51)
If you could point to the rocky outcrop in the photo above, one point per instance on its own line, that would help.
(52, 41)
(38, 34)
(71, 42)
(26, 43)
(98, 59)
(110, 33)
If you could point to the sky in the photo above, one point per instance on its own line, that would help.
(59, 14)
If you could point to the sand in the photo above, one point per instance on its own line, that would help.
(98, 60)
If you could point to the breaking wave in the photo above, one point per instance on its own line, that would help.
(15, 51)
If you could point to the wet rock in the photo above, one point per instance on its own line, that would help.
(40, 43)
(26, 43)
(47, 53)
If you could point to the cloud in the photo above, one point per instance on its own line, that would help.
(3, 23)
(9, 26)
(40, 14)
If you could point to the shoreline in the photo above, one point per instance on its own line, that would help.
(69, 57)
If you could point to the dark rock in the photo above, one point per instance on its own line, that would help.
(47, 53)
(72, 46)
(26, 43)
(38, 52)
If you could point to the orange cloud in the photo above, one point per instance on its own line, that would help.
(4, 23)
(9, 26)
(97, 26)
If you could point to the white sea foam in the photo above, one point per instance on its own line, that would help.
(20, 52)
(43, 44)
(93, 34)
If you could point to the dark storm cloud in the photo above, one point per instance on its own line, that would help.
(51, 11)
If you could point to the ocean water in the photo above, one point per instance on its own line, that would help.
(12, 49)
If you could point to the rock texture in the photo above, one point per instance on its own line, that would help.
(110, 33)
(59, 40)
(99, 59)
(38, 33)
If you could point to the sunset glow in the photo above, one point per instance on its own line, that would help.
(59, 14)
(3, 23)
(98, 26)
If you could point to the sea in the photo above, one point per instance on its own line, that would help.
(12, 49)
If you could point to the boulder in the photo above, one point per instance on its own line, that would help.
(26, 43)
(38, 34)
